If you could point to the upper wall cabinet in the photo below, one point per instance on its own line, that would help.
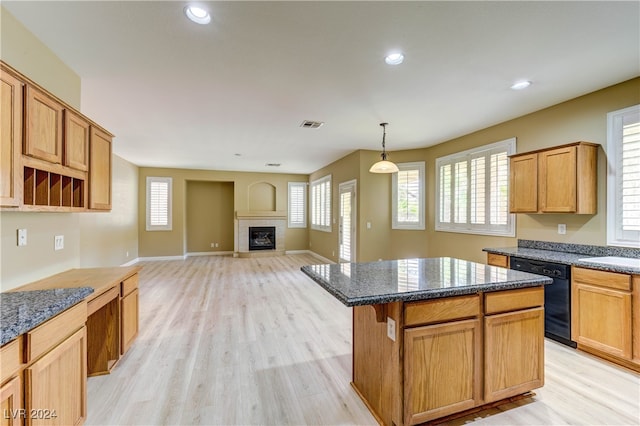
(11, 89)
(53, 158)
(562, 179)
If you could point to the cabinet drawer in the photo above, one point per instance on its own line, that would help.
(440, 310)
(10, 358)
(513, 300)
(128, 285)
(47, 335)
(102, 300)
(602, 278)
(498, 260)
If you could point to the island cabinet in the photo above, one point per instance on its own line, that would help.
(44, 372)
(603, 319)
(495, 259)
(448, 355)
(562, 179)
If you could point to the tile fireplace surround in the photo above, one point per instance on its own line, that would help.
(246, 219)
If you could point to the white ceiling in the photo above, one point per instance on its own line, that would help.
(178, 94)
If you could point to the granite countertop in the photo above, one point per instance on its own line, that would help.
(372, 283)
(21, 311)
(570, 254)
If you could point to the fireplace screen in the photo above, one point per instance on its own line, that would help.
(262, 238)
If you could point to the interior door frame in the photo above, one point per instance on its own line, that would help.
(351, 186)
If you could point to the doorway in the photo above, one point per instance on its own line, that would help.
(347, 227)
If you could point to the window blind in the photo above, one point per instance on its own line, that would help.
(158, 203)
(321, 204)
(472, 190)
(297, 217)
(408, 196)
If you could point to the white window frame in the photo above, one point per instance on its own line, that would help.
(321, 220)
(508, 230)
(395, 223)
(168, 226)
(616, 235)
(303, 222)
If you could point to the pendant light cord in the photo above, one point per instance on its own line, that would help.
(384, 134)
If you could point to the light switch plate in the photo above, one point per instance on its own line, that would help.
(562, 228)
(391, 329)
(58, 242)
(22, 237)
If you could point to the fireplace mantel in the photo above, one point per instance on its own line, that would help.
(261, 214)
(246, 219)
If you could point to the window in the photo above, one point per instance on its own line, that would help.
(159, 203)
(623, 178)
(321, 204)
(297, 204)
(472, 191)
(408, 196)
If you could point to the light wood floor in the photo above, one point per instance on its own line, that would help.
(229, 341)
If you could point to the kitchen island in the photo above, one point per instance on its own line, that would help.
(440, 336)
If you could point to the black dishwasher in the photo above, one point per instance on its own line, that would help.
(557, 297)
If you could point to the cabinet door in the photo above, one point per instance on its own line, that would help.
(523, 183)
(442, 369)
(11, 92)
(601, 319)
(46, 396)
(514, 353)
(76, 141)
(43, 137)
(100, 170)
(11, 403)
(557, 180)
(129, 323)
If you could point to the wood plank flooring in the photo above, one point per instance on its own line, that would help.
(229, 341)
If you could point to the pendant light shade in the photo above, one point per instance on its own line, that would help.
(383, 166)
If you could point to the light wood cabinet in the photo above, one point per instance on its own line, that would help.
(76, 141)
(11, 98)
(442, 369)
(500, 260)
(55, 385)
(601, 317)
(556, 180)
(43, 138)
(129, 313)
(100, 170)
(11, 403)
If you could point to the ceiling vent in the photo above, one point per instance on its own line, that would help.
(307, 124)
(272, 164)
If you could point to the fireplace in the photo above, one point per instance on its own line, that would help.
(262, 238)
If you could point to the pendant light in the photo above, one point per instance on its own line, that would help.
(383, 166)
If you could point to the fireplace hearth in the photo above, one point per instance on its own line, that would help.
(262, 238)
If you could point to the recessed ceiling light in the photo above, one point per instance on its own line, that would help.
(394, 58)
(197, 14)
(519, 85)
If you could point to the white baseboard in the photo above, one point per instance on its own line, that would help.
(209, 253)
(156, 258)
(131, 262)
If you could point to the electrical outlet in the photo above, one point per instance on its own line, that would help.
(368, 225)
(216, 245)
(562, 228)
(127, 254)
(391, 329)
(212, 245)
(58, 242)
(22, 237)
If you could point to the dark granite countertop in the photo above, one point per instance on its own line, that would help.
(21, 311)
(571, 254)
(372, 283)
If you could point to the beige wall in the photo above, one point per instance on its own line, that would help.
(174, 242)
(210, 214)
(90, 239)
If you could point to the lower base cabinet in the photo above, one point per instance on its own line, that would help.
(56, 384)
(443, 369)
(11, 402)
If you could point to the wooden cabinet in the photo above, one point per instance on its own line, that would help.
(442, 369)
(601, 317)
(100, 170)
(43, 119)
(500, 260)
(11, 403)
(11, 98)
(55, 385)
(76, 141)
(129, 312)
(557, 180)
(52, 157)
